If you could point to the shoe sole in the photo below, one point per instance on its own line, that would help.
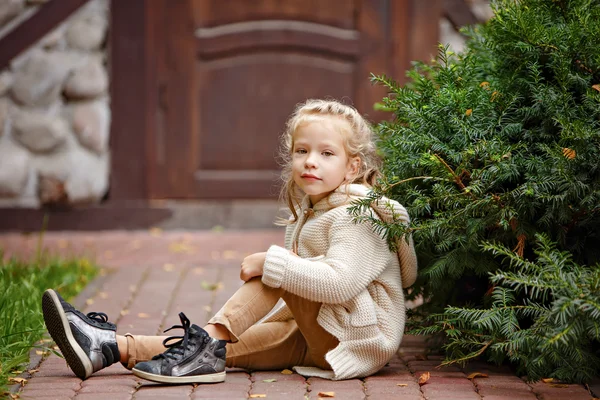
(60, 330)
(209, 378)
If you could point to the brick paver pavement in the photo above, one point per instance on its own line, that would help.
(150, 276)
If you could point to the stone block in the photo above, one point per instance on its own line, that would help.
(91, 124)
(40, 79)
(14, 168)
(39, 132)
(87, 31)
(87, 81)
(6, 81)
(10, 9)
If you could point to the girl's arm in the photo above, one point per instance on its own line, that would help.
(356, 257)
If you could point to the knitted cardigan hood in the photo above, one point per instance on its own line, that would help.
(348, 268)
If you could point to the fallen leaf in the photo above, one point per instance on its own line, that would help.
(547, 380)
(402, 384)
(132, 288)
(124, 312)
(269, 380)
(143, 315)
(207, 308)
(287, 372)
(211, 286)
(326, 394)
(33, 371)
(103, 295)
(39, 352)
(258, 396)
(89, 302)
(168, 267)
(181, 247)
(569, 153)
(198, 270)
(217, 228)
(21, 381)
(155, 232)
(229, 254)
(477, 375)
(469, 112)
(596, 86)
(559, 385)
(424, 378)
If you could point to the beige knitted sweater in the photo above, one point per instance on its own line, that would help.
(350, 269)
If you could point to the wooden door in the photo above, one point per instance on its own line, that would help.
(226, 74)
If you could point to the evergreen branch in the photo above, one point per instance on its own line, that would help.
(468, 356)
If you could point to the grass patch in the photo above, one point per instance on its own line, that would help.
(21, 321)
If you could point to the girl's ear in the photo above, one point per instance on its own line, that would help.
(353, 167)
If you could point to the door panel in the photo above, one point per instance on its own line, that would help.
(228, 74)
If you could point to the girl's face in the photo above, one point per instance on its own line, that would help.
(320, 163)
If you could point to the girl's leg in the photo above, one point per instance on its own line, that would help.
(318, 340)
(250, 303)
(138, 348)
(276, 345)
(268, 346)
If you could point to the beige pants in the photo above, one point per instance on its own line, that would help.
(264, 346)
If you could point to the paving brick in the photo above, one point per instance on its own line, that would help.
(103, 396)
(54, 382)
(513, 396)
(224, 394)
(160, 389)
(47, 392)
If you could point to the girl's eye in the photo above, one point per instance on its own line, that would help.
(300, 151)
(327, 153)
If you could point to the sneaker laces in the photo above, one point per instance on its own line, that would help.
(98, 317)
(177, 349)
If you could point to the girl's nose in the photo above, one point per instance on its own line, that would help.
(310, 160)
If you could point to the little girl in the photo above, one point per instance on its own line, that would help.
(344, 312)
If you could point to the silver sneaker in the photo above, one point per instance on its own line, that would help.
(196, 358)
(88, 342)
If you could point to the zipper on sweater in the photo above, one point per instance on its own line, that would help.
(309, 212)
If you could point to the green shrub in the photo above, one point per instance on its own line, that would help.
(497, 145)
(21, 320)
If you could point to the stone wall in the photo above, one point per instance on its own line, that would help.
(55, 111)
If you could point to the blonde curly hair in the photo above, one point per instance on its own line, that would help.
(358, 142)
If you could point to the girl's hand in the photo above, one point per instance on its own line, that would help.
(252, 266)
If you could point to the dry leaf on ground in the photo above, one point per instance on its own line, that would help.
(477, 375)
(559, 385)
(258, 396)
(424, 378)
(326, 394)
(596, 86)
(402, 384)
(21, 381)
(143, 315)
(269, 380)
(547, 380)
(155, 232)
(168, 267)
(210, 286)
(287, 372)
